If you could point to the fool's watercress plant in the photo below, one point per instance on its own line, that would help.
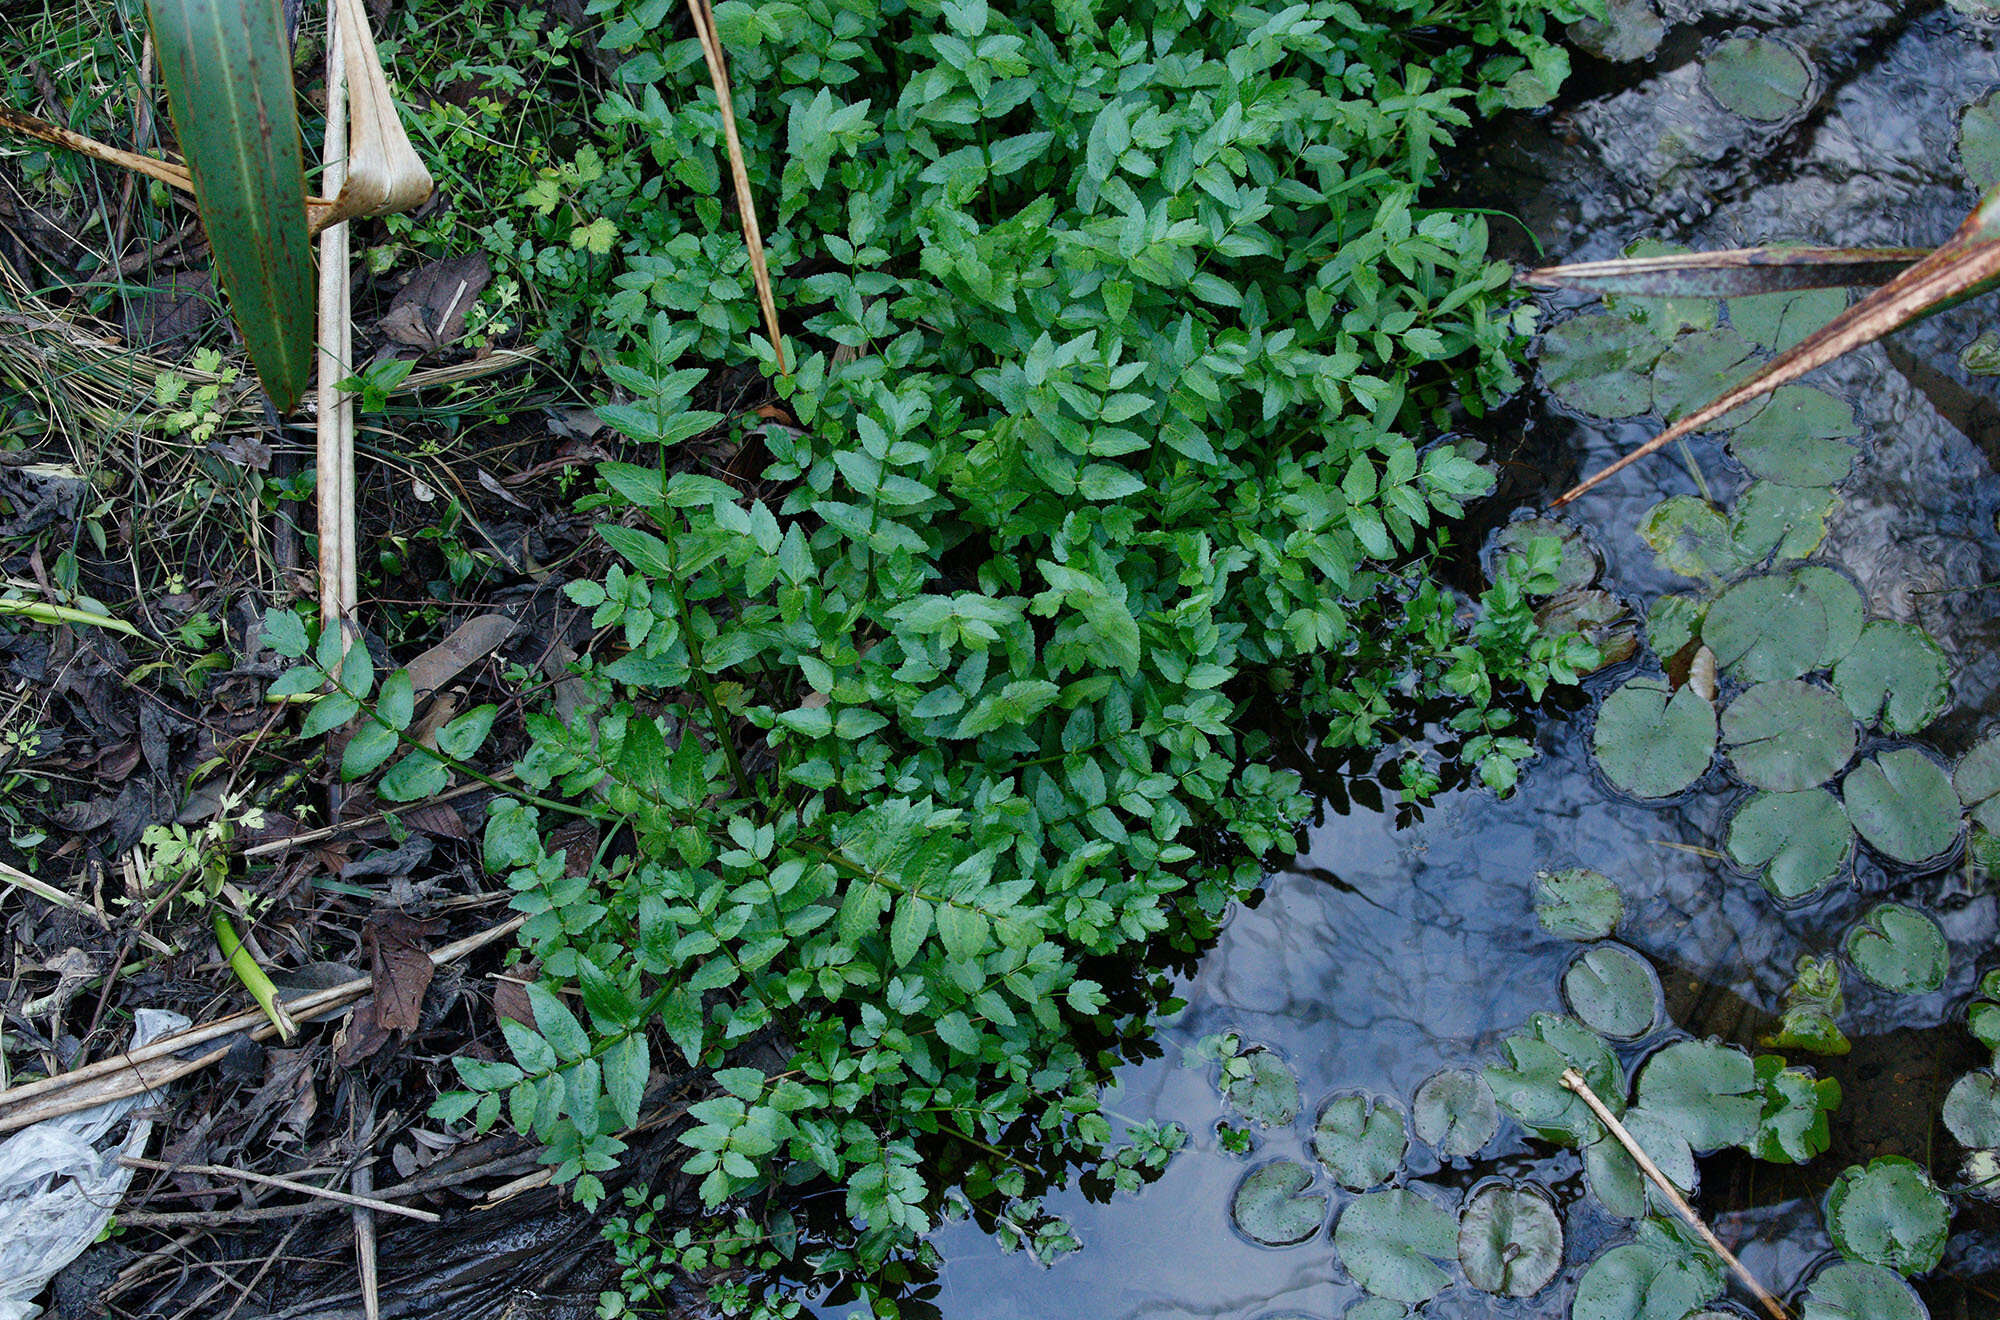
(1123, 340)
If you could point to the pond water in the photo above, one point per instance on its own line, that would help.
(1387, 954)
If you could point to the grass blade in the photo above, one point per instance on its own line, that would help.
(1731, 274)
(227, 69)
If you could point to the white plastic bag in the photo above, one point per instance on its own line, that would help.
(58, 1190)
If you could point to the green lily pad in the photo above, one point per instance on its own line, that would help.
(1272, 1207)
(1854, 1290)
(1778, 321)
(1690, 537)
(1268, 1092)
(1697, 368)
(1767, 627)
(1390, 1242)
(1799, 438)
(1653, 743)
(1579, 564)
(1813, 1005)
(1613, 991)
(1530, 1085)
(1759, 78)
(1900, 949)
(1773, 522)
(1630, 30)
(1599, 617)
(1972, 1110)
(1706, 1091)
(1979, 142)
(1668, 316)
(1846, 612)
(1614, 1177)
(1798, 841)
(1793, 1122)
(1888, 1213)
(1454, 1113)
(1577, 904)
(1636, 1282)
(1895, 673)
(1977, 782)
(1601, 365)
(1510, 1242)
(1903, 803)
(1787, 736)
(1360, 1139)
(1375, 1308)
(1671, 622)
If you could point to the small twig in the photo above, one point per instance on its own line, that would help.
(364, 1231)
(287, 1184)
(1575, 1082)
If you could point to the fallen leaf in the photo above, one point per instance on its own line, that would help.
(402, 970)
(429, 311)
(473, 640)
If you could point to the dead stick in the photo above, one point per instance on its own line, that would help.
(287, 1184)
(1574, 1081)
(13, 1100)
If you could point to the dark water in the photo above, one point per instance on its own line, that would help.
(1388, 954)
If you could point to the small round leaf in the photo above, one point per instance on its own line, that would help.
(1272, 1207)
(1899, 949)
(1799, 841)
(1855, 1290)
(1454, 1113)
(1360, 1139)
(1895, 673)
(1888, 1213)
(1903, 804)
(1601, 365)
(1510, 1242)
(1759, 78)
(1977, 782)
(1269, 1094)
(1787, 736)
(1972, 1110)
(1706, 1091)
(1613, 991)
(1653, 743)
(1390, 1242)
(1577, 904)
(1800, 437)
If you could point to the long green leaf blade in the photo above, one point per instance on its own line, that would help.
(227, 69)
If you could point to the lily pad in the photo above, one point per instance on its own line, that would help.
(1900, 949)
(1903, 804)
(1267, 1092)
(1577, 904)
(1778, 321)
(1671, 622)
(1787, 736)
(1888, 1213)
(1759, 78)
(1799, 438)
(1767, 627)
(1599, 617)
(1690, 537)
(1854, 1290)
(1669, 315)
(1895, 673)
(1979, 142)
(1510, 1242)
(1272, 1207)
(1375, 1308)
(1390, 1242)
(1846, 612)
(1613, 991)
(1977, 782)
(1454, 1113)
(1653, 743)
(1360, 1139)
(1972, 1110)
(1579, 564)
(1636, 1282)
(1614, 1177)
(1704, 1090)
(1530, 1085)
(1697, 368)
(1772, 522)
(1601, 365)
(1798, 841)
(1793, 1125)
(1630, 30)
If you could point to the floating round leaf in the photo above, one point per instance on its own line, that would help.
(1577, 904)
(1855, 1290)
(1668, 315)
(1888, 1213)
(1510, 1242)
(1272, 1206)
(1767, 627)
(1599, 617)
(1613, 991)
(1758, 78)
(1601, 365)
(1972, 1110)
(1799, 438)
(1375, 1308)
(1360, 1139)
(1697, 368)
(1798, 840)
(1629, 30)
(1899, 949)
(1774, 522)
(1903, 803)
(1632, 1282)
(1777, 321)
(1793, 1125)
(1651, 742)
(1977, 782)
(1578, 565)
(1390, 1242)
(1979, 142)
(1845, 610)
(1689, 537)
(1615, 1179)
(1454, 1113)
(1787, 736)
(1897, 673)
(1268, 1093)
(1706, 1091)
(1671, 622)
(1530, 1086)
